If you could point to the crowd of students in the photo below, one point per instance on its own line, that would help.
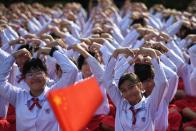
(144, 60)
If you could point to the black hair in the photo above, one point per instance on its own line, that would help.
(139, 21)
(184, 31)
(54, 35)
(81, 60)
(144, 71)
(34, 63)
(132, 77)
(26, 46)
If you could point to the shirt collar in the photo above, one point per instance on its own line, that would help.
(139, 105)
(41, 97)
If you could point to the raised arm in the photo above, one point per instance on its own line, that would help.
(108, 78)
(69, 69)
(95, 66)
(172, 78)
(159, 80)
(8, 91)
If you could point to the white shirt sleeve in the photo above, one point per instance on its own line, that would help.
(130, 38)
(193, 82)
(109, 84)
(172, 45)
(105, 54)
(121, 70)
(69, 70)
(172, 78)
(169, 21)
(176, 60)
(117, 35)
(8, 91)
(96, 68)
(174, 28)
(70, 39)
(159, 88)
(168, 62)
(192, 54)
(152, 22)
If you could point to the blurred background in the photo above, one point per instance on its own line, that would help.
(188, 5)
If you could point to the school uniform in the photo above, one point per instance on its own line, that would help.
(130, 38)
(105, 54)
(32, 27)
(101, 115)
(192, 53)
(162, 113)
(125, 120)
(37, 118)
(116, 33)
(3, 102)
(174, 28)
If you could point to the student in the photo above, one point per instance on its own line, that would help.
(146, 74)
(32, 107)
(133, 110)
(89, 66)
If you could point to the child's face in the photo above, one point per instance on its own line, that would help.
(131, 92)
(36, 80)
(148, 86)
(86, 72)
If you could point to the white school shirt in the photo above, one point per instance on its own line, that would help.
(75, 30)
(116, 33)
(193, 82)
(33, 28)
(139, 43)
(22, 31)
(130, 38)
(110, 47)
(42, 119)
(173, 46)
(146, 117)
(168, 62)
(161, 121)
(169, 22)
(154, 23)
(125, 23)
(5, 42)
(98, 71)
(177, 60)
(187, 72)
(174, 28)
(123, 68)
(70, 39)
(13, 32)
(87, 28)
(3, 102)
(105, 54)
(192, 53)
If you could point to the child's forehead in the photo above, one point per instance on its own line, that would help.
(129, 82)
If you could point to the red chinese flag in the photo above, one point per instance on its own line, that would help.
(75, 105)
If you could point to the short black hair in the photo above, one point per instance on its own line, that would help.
(132, 77)
(184, 31)
(54, 36)
(139, 21)
(34, 63)
(26, 46)
(81, 60)
(144, 71)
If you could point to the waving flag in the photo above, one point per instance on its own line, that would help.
(74, 106)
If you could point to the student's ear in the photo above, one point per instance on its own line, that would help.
(140, 86)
